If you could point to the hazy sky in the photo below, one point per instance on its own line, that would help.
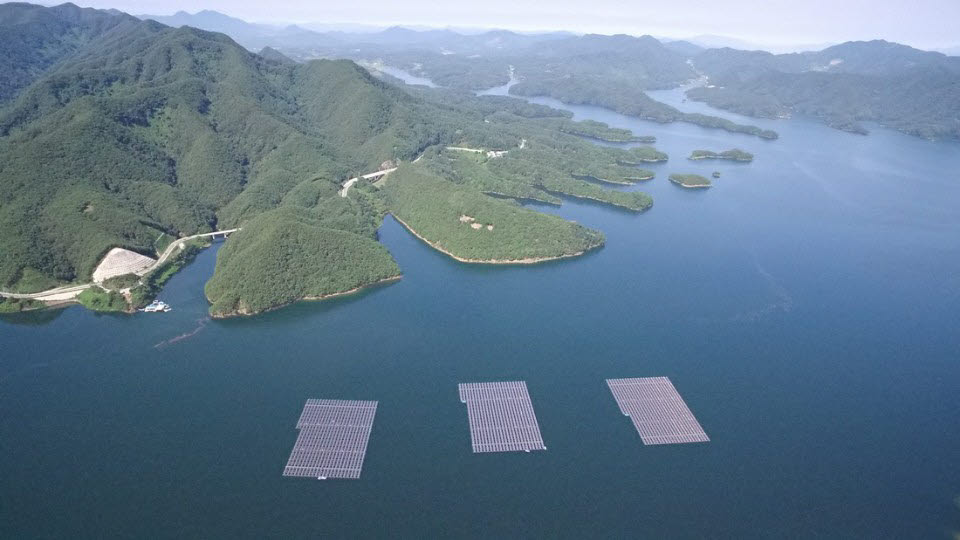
(922, 23)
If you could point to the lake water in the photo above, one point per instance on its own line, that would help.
(806, 308)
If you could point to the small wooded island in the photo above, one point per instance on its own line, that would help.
(732, 155)
(691, 181)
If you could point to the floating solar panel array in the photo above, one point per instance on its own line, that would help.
(333, 439)
(501, 417)
(657, 410)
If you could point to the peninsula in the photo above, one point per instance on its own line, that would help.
(472, 227)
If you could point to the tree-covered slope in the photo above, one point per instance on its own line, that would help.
(157, 130)
(34, 38)
(914, 91)
(150, 132)
(473, 227)
(288, 254)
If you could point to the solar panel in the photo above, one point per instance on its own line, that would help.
(657, 410)
(333, 439)
(318, 412)
(501, 417)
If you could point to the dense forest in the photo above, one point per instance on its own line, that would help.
(35, 38)
(471, 226)
(159, 131)
(290, 253)
(146, 133)
(917, 92)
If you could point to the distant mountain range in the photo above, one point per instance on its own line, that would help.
(844, 85)
(257, 34)
(709, 41)
(325, 36)
(915, 91)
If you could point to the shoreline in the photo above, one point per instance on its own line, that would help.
(590, 177)
(700, 158)
(637, 139)
(517, 198)
(698, 186)
(528, 260)
(615, 206)
(75, 289)
(354, 290)
(641, 161)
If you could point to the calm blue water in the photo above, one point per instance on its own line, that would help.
(806, 308)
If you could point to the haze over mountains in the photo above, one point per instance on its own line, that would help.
(254, 33)
(844, 85)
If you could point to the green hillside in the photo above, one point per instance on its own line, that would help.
(917, 92)
(34, 38)
(157, 130)
(287, 254)
(470, 226)
(148, 132)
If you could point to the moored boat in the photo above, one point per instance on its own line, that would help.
(157, 306)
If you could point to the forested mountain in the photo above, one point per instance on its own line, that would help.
(844, 85)
(915, 91)
(158, 130)
(609, 71)
(876, 57)
(35, 38)
(148, 132)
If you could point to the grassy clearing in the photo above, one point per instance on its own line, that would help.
(16, 305)
(102, 300)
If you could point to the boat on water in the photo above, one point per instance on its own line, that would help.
(157, 307)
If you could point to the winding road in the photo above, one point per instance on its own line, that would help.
(371, 176)
(69, 292)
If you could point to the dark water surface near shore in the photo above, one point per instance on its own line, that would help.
(806, 308)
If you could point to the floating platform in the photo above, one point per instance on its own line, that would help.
(657, 410)
(501, 417)
(333, 439)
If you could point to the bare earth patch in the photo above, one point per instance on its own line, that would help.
(121, 261)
